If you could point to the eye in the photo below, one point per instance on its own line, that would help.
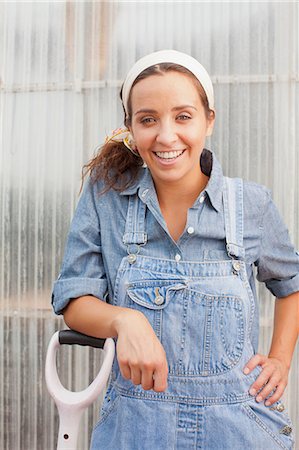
(147, 120)
(183, 117)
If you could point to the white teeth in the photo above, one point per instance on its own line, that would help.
(169, 155)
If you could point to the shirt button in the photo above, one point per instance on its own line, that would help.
(202, 199)
(177, 257)
(190, 230)
(144, 193)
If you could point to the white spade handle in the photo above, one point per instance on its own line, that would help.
(71, 405)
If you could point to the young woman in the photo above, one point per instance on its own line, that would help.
(160, 256)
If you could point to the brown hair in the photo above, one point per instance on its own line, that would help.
(114, 163)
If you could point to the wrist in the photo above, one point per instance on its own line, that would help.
(122, 318)
(281, 358)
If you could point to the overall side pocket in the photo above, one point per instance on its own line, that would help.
(276, 424)
(110, 401)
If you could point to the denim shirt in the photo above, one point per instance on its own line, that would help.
(94, 247)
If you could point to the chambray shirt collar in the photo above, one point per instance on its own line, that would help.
(214, 188)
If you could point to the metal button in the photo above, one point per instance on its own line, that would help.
(132, 258)
(286, 430)
(158, 299)
(236, 265)
(202, 199)
(279, 407)
(190, 230)
(144, 193)
(177, 257)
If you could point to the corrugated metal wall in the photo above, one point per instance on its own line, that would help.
(61, 66)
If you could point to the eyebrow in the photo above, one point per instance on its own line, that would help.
(176, 108)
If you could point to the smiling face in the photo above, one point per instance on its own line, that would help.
(169, 127)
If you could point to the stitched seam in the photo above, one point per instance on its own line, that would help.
(107, 413)
(252, 414)
(186, 400)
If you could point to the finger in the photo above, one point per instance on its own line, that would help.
(125, 371)
(147, 380)
(261, 380)
(272, 383)
(256, 360)
(277, 395)
(135, 375)
(160, 379)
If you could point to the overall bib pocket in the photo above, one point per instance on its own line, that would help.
(211, 336)
(202, 334)
(151, 297)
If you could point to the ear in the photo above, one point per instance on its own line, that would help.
(210, 125)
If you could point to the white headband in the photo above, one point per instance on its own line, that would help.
(168, 56)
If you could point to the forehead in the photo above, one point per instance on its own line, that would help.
(169, 86)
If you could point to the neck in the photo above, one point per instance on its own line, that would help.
(180, 192)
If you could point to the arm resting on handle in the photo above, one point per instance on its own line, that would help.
(94, 317)
(140, 353)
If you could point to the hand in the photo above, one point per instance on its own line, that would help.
(140, 354)
(274, 375)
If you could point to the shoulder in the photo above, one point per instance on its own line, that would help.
(94, 202)
(255, 200)
(99, 191)
(256, 191)
(107, 201)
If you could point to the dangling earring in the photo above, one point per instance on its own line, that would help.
(130, 144)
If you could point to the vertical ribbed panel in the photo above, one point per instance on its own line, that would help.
(61, 66)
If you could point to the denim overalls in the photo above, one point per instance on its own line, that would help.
(202, 312)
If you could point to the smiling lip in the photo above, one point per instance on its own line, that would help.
(171, 156)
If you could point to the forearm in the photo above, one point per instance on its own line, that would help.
(286, 328)
(94, 317)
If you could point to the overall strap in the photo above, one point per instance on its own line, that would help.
(135, 222)
(233, 216)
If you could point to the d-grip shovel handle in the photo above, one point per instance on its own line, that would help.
(71, 337)
(71, 405)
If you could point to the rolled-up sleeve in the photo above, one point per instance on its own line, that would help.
(82, 271)
(278, 263)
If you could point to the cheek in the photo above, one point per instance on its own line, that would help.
(144, 139)
(195, 138)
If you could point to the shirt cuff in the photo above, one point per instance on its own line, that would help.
(283, 288)
(65, 290)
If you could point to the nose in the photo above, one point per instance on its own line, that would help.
(166, 134)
